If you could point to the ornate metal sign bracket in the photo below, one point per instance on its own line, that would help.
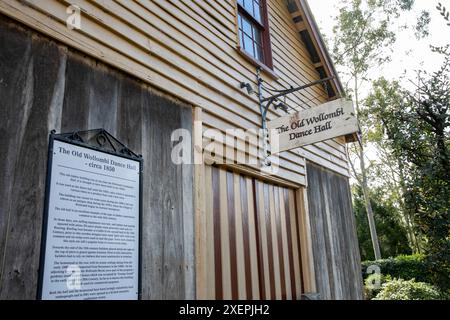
(98, 139)
(265, 104)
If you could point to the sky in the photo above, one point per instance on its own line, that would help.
(409, 54)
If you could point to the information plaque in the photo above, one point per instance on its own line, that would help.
(91, 229)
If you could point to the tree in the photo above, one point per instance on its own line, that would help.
(362, 33)
(389, 171)
(392, 235)
(417, 125)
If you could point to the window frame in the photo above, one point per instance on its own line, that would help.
(263, 26)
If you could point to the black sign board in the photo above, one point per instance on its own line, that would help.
(91, 239)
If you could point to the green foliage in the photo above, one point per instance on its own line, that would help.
(444, 13)
(399, 289)
(405, 267)
(421, 28)
(365, 30)
(410, 130)
(362, 42)
(373, 284)
(415, 279)
(361, 33)
(392, 235)
(417, 126)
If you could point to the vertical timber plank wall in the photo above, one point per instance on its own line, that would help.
(45, 86)
(253, 234)
(337, 261)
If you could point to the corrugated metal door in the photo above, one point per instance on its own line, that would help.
(253, 238)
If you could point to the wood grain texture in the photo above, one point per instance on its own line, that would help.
(293, 245)
(188, 212)
(47, 86)
(28, 115)
(201, 186)
(225, 242)
(288, 272)
(334, 242)
(188, 49)
(264, 257)
(307, 271)
(76, 99)
(253, 249)
(267, 215)
(242, 249)
(16, 92)
(247, 228)
(277, 268)
(210, 236)
(164, 254)
(189, 52)
(253, 236)
(232, 235)
(215, 201)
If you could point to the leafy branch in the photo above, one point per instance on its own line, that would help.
(443, 11)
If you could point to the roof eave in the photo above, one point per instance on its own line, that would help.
(320, 44)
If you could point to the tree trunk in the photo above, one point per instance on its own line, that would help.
(368, 205)
(407, 212)
(365, 188)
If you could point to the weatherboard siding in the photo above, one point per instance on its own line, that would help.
(189, 49)
(47, 86)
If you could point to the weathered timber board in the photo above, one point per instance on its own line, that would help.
(45, 86)
(333, 232)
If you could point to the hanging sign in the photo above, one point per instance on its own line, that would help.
(330, 120)
(91, 237)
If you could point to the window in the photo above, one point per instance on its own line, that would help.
(254, 30)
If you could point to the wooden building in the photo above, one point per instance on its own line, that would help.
(142, 69)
